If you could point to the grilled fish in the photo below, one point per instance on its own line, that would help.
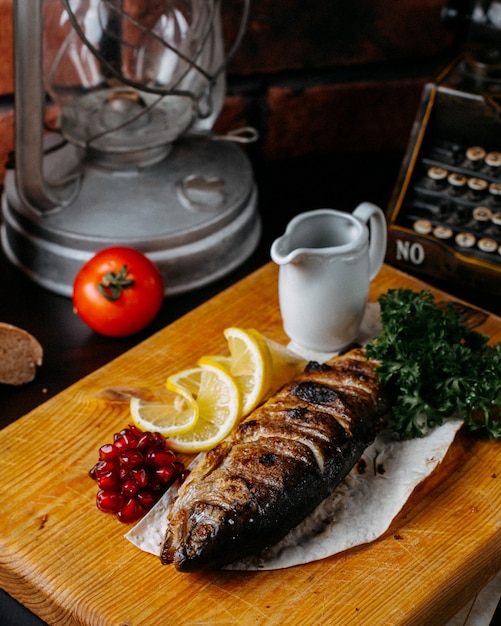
(278, 465)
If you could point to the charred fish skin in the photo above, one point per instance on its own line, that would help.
(277, 467)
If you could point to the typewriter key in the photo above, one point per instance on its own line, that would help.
(496, 218)
(457, 181)
(495, 191)
(475, 155)
(477, 186)
(442, 232)
(465, 240)
(487, 244)
(482, 214)
(423, 227)
(493, 160)
(437, 176)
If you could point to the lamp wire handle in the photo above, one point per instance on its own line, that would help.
(42, 196)
(243, 135)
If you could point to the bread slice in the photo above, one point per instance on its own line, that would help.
(20, 353)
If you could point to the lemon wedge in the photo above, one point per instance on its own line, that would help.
(219, 405)
(249, 364)
(175, 413)
(258, 365)
(285, 364)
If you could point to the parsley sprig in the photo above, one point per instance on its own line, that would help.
(435, 366)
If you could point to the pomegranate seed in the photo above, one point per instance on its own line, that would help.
(103, 467)
(131, 511)
(109, 501)
(165, 473)
(109, 481)
(140, 475)
(147, 498)
(159, 458)
(124, 431)
(92, 471)
(178, 468)
(130, 459)
(130, 487)
(135, 430)
(156, 484)
(184, 475)
(108, 452)
(144, 441)
(106, 467)
(158, 441)
(125, 440)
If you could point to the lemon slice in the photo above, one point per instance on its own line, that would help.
(249, 364)
(219, 404)
(219, 359)
(285, 364)
(259, 365)
(176, 413)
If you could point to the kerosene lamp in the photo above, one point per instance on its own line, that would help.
(132, 159)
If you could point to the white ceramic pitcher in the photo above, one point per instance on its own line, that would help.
(327, 259)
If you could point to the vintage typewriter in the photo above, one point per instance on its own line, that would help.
(445, 213)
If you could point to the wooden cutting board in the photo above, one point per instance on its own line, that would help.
(70, 564)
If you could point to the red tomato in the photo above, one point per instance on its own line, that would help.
(118, 292)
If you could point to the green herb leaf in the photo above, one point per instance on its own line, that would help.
(435, 366)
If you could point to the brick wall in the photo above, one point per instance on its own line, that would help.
(313, 76)
(309, 34)
(323, 76)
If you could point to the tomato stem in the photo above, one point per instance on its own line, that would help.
(113, 283)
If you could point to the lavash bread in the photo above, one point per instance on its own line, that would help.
(20, 354)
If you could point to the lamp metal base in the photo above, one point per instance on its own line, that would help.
(194, 214)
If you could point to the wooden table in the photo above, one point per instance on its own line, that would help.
(69, 563)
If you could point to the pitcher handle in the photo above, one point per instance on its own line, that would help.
(374, 217)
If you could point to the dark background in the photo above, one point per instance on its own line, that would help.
(333, 89)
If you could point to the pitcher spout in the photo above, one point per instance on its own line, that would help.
(281, 252)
